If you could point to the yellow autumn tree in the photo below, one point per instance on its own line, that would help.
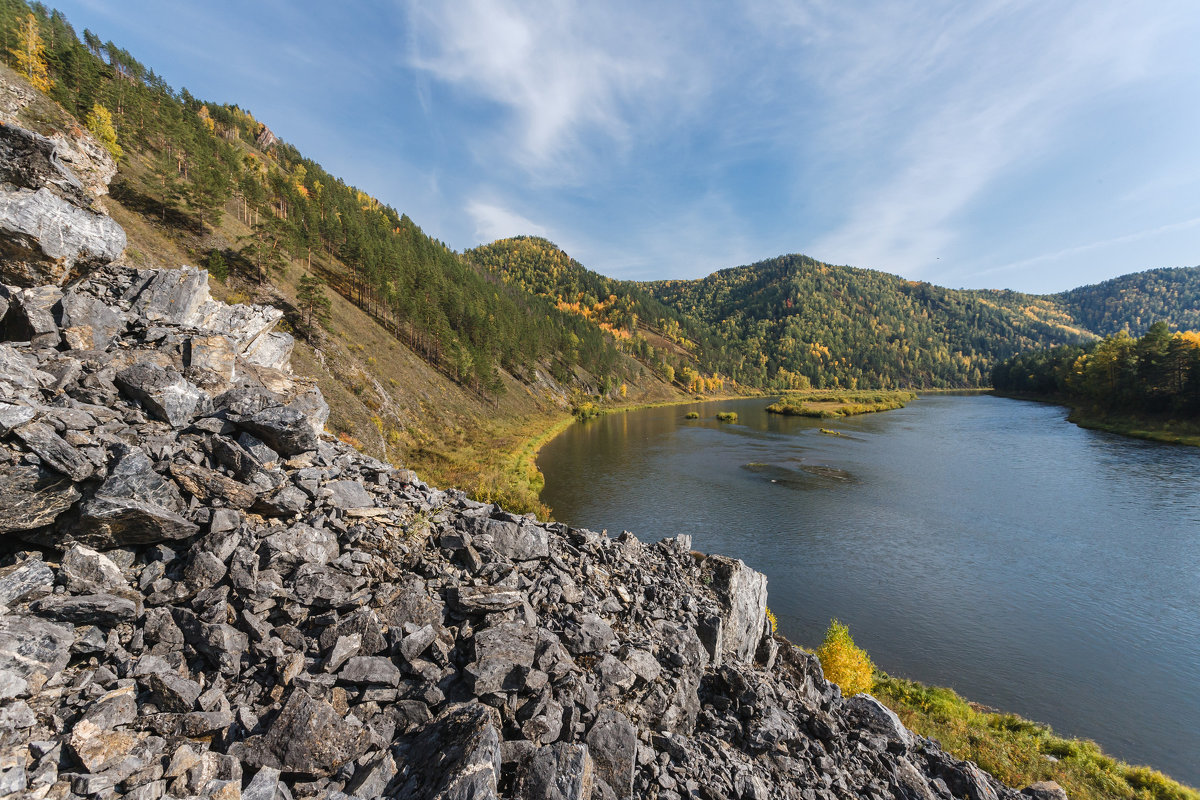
(844, 662)
(100, 123)
(30, 54)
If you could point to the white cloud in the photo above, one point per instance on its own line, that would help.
(494, 222)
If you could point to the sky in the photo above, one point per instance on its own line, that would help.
(1034, 146)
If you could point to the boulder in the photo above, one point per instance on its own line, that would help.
(43, 238)
(455, 757)
(25, 578)
(34, 648)
(54, 451)
(271, 350)
(283, 428)
(742, 593)
(308, 737)
(612, 743)
(163, 392)
(559, 771)
(30, 316)
(33, 497)
(107, 522)
(87, 323)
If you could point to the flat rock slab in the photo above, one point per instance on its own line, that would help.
(108, 522)
(18, 580)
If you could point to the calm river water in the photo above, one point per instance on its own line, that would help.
(974, 542)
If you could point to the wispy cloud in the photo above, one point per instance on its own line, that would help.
(552, 66)
(497, 222)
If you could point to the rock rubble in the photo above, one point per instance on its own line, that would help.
(203, 594)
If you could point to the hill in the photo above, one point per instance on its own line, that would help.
(1135, 302)
(805, 323)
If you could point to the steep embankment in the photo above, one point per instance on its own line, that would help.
(202, 593)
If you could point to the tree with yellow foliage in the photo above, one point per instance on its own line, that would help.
(100, 123)
(30, 53)
(844, 662)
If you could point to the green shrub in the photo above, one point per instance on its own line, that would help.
(727, 416)
(692, 415)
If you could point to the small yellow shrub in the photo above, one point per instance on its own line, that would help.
(844, 662)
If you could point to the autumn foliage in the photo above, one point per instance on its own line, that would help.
(844, 662)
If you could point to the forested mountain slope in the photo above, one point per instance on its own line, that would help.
(1135, 302)
(807, 323)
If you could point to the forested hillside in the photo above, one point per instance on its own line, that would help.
(804, 323)
(1134, 302)
(1158, 373)
(676, 345)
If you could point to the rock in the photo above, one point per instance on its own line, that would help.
(103, 610)
(868, 713)
(107, 522)
(263, 786)
(213, 353)
(1045, 790)
(348, 494)
(54, 451)
(503, 656)
(271, 350)
(485, 599)
(30, 316)
(286, 430)
(33, 648)
(87, 160)
(86, 570)
(308, 737)
(33, 497)
(172, 692)
(133, 478)
(370, 669)
(612, 743)
(743, 596)
(559, 771)
(20, 580)
(592, 635)
(43, 238)
(87, 323)
(173, 296)
(20, 371)
(164, 393)
(14, 416)
(455, 757)
(517, 542)
(207, 485)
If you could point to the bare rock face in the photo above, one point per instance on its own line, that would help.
(87, 159)
(49, 225)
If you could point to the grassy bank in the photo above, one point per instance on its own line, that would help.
(1020, 752)
(1151, 427)
(831, 403)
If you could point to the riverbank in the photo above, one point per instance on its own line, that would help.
(832, 403)
(1021, 752)
(1149, 427)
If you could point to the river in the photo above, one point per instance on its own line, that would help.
(975, 542)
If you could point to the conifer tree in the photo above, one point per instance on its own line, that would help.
(314, 303)
(30, 53)
(100, 123)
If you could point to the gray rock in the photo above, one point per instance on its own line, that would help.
(14, 416)
(592, 635)
(164, 393)
(20, 371)
(612, 743)
(133, 478)
(102, 610)
(522, 542)
(174, 296)
(870, 714)
(743, 596)
(283, 428)
(107, 522)
(370, 669)
(503, 656)
(308, 737)
(300, 544)
(30, 316)
(33, 648)
(485, 599)
(557, 772)
(33, 497)
(212, 353)
(43, 237)
(263, 786)
(348, 494)
(86, 570)
(54, 451)
(20, 580)
(89, 324)
(207, 485)
(172, 692)
(1045, 790)
(456, 757)
(271, 350)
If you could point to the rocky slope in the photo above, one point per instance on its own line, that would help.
(204, 594)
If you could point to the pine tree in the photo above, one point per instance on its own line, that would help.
(314, 303)
(100, 123)
(30, 53)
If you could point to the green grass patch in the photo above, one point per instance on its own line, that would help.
(1020, 752)
(692, 415)
(830, 404)
(727, 416)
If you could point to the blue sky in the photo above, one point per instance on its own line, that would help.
(1027, 145)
